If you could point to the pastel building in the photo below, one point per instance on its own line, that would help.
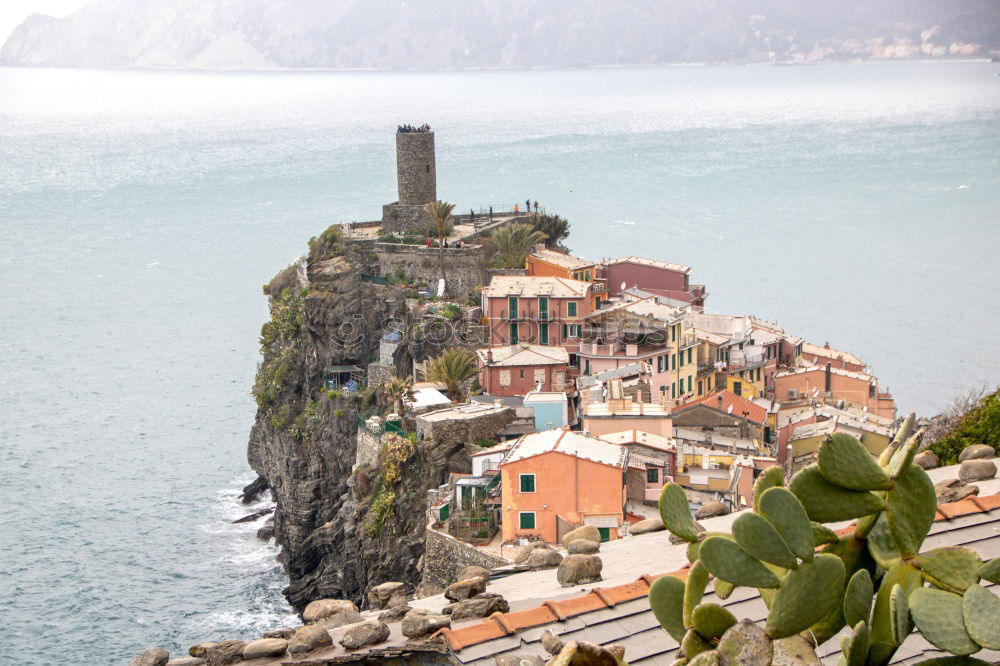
(816, 355)
(550, 409)
(547, 311)
(521, 368)
(658, 277)
(557, 480)
(859, 388)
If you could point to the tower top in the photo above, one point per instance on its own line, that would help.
(410, 129)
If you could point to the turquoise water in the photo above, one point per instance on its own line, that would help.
(140, 213)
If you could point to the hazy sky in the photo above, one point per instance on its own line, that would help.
(12, 12)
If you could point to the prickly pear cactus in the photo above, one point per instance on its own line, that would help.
(873, 580)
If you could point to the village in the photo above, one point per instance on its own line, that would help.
(595, 382)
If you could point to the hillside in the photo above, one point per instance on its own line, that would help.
(384, 34)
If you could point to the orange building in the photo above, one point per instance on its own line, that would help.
(557, 480)
(828, 382)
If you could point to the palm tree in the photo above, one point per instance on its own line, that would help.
(555, 228)
(396, 391)
(513, 244)
(451, 368)
(440, 213)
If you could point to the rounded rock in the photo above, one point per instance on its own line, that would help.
(387, 595)
(926, 459)
(588, 532)
(154, 656)
(648, 525)
(265, 647)
(473, 571)
(543, 558)
(421, 622)
(579, 570)
(336, 611)
(745, 644)
(977, 452)
(977, 469)
(363, 634)
(309, 638)
(583, 547)
(464, 589)
(711, 509)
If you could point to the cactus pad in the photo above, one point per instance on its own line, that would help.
(991, 571)
(666, 598)
(728, 561)
(910, 507)
(903, 457)
(694, 644)
(697, 581)
(844, 462)
(758, 537)
(806, 595)
(675, 512)
(783, 510)
(825, 502)
(858, 598)
(938, 615)
(822, 534)
(881, 545)
(883, 642)
(855, 647)
(952, 568)
(981, 611)
(712, 620)
(772, 477)
(745, 643)
(707, 658)
(723, 589)
(899, 614)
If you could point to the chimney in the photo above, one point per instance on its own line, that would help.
(827, 383)
(718, 401)
(489, 357)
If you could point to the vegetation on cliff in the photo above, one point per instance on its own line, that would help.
(971, 419)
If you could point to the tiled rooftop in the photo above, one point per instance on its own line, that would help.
(819, 368)
(514, 355)
(653, 263)
(562, 259)
(732, 404)
(809, 349)
(649, 439)
(568, 442)
(530, 286)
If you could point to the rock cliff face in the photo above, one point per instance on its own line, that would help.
(341, 533)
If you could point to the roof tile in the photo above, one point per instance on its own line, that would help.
(582, 604)
(530, 617)
(462, 638)
(960, 508)
(620, 593)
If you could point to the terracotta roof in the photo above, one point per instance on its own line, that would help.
(739, 405)
(626, 605)
(570, 443)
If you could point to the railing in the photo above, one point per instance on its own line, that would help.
(746, 362)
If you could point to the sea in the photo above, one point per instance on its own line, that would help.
(140, 213)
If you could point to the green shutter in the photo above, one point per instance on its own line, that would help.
(527, 483)
(513, 334)
(543, 333)
(527, 521)
(571, 309)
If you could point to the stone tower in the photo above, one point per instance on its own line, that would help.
(415, 168)
(416, 177)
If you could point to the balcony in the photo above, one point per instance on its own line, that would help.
(618, 350)
(745, 363)
(530, 315)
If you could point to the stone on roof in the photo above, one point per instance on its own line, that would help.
(514, 355)
(530, 286)
(570, 443)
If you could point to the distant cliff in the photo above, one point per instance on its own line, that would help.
(390, 34)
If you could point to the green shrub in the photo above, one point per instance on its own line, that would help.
(979, 425)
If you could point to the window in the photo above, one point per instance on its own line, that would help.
(559, 380)
(528, 484)
(738, 388)
(758, 374)
(540, 376)
(597, 302)
(543, 307)
(652, 475)
(587, 276)
(673, 361)
(573, 360)
(689, 383)
(505, 378)
(543, 334)
(571, 309)
(699, 387)
(673, 389)
(526, 520)
(521, 373)
(681, 358)
(571, 331)
(512, 306)
(673, 333)
(689, 353)
(659, 364)
(512, 329)
(605, 533)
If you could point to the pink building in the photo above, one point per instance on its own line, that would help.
(545, 311)
(518, 369)
(854, 387)
(837, 359)
(657, 277)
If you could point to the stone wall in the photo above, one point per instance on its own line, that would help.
(445, 557)
(369, 443)
(465, 266)
(397, 217)
(457, 431)
(416, 173)
(379, 374)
